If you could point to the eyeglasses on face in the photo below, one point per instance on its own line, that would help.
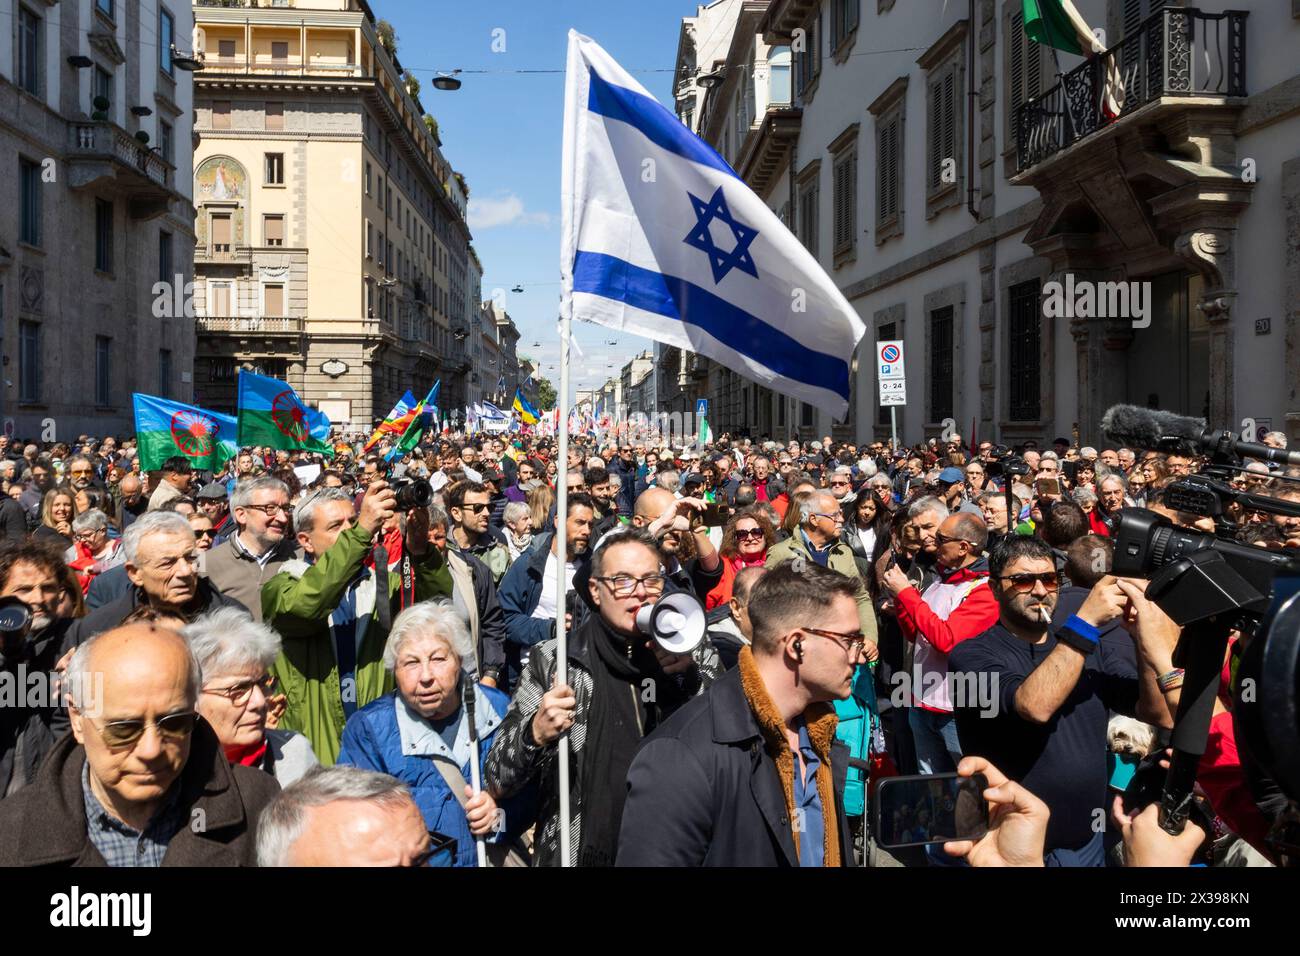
(205, 533)
(749, 532)
(270, 510)
(1024, 583)
(940, 538)
(835, 516)
(439, 845)
(125, 733)
(851, 641)
(240, 694)
(82, 471)
(624, 585)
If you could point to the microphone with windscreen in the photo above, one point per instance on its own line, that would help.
(1153, 428)
(676, 622)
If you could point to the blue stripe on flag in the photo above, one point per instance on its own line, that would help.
(653, 121)
(612, 278)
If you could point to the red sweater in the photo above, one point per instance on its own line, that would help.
(975, 615)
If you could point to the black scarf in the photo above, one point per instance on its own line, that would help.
(618, 719)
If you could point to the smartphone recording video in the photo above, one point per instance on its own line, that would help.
(930, 808)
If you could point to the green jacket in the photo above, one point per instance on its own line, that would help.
(841, 560)
(297, 603)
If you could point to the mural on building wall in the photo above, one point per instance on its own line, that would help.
(221, 180)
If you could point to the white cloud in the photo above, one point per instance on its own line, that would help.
(504, 210)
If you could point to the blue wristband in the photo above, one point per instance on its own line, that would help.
(1083, 628)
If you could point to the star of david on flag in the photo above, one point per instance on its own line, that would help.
(701, 238)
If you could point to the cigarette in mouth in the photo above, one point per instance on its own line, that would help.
(1047, 618)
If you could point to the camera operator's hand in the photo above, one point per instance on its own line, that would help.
(1104, 602)
(379, 504)
(554, 715)
(1017, 822)
(1153, 629)
(1147, 844)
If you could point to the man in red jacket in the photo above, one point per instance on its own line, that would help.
(955, 607)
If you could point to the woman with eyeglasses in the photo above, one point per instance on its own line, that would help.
(235, 654)
(420, 732)
(745, 541)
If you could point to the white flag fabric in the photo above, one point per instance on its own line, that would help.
(661, 238)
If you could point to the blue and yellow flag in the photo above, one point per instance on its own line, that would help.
(527, 413)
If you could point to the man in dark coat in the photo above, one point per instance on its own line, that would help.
(162, 566)
(143, 782)
(730, 780)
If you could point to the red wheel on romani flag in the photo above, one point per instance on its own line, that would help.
(194, 434)
(289, 416)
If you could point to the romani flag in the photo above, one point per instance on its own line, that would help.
(395, 423)
(164, 428)
(272, 414)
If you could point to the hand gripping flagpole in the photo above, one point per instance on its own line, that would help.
(561, 586)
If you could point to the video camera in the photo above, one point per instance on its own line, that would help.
(1003, 463)
(1211, 584)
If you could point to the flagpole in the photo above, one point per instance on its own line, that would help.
(561, 585)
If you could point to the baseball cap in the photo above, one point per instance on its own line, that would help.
(950, 475)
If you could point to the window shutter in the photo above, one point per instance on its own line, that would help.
(221, 233)
(1033, 72)
(273, 296)
(935, 144)
(275, 230)
(949, 149)
(851, 16)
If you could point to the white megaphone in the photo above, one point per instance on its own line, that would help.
(676, 622)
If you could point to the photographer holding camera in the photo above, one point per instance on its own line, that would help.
(334, 609)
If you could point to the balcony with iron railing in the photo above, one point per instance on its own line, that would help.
(1178, 52)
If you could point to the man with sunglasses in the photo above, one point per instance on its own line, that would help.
(621, 686)
(1052, 691)
(955, 606)
(254, 554)
(139, 770)
(469, 505)
(716, 784)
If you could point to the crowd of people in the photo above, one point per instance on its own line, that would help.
(297, 662)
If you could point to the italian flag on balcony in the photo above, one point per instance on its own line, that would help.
(1057, 24)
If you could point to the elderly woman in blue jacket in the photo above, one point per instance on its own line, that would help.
(419, 733)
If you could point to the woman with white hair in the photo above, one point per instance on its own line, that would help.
(419, 733)
(235, 654)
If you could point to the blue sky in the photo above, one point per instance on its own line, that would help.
(503, 131)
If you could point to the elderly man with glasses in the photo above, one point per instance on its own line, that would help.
(621, 686)
(1050, 691)
(254, 554)
(818, 541)
(142, 780)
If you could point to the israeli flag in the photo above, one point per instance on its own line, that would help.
(661, 238)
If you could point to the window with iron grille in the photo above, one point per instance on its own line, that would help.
(941, 363)
(1024, 359)
(844, 182)
(103, 370)
(29, 361)
(103, 235)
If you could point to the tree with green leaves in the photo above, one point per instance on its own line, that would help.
(387, 36)
(546, 395)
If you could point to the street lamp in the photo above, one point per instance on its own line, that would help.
(185, 61)
(446, 82)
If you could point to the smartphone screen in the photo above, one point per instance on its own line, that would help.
(1048, 486)
(930, 808)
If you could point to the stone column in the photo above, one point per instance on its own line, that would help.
(1100, 363)
(1210, 250)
